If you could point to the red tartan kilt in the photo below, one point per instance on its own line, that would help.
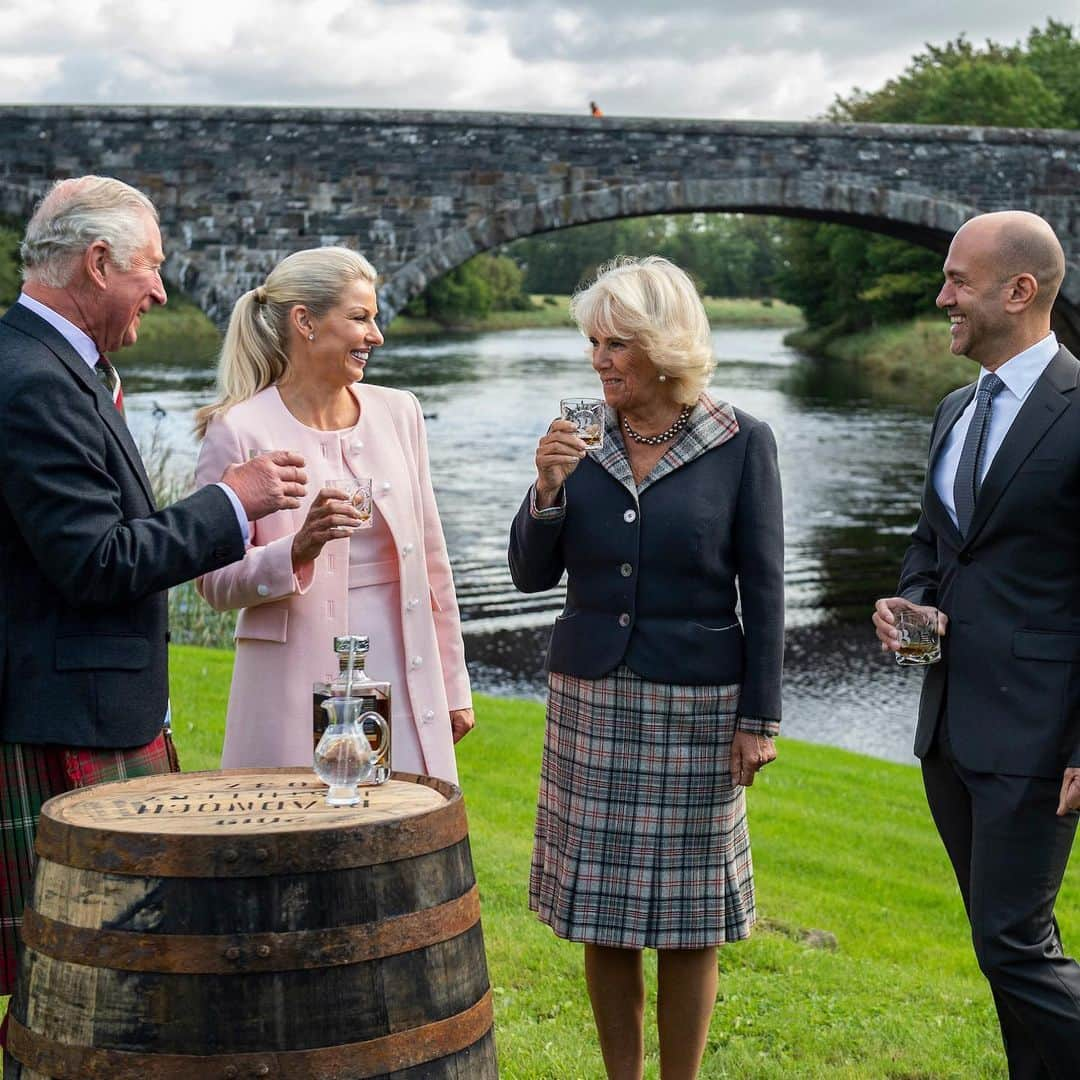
(30, 775)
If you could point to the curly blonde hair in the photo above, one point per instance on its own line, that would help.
(652, 302)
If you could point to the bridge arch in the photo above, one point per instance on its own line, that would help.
(920, 219)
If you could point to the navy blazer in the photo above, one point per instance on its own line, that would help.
(655, 578)
(1009, 676)
(85, 558)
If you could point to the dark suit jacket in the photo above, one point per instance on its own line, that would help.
(654, 582)
(1009, 678)
(84, 556)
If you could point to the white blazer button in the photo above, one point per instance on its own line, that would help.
(407, 549)
(417, 661)
(629, 516)
(386, 485)
(429, 715)
(263, 590)
(414, 602)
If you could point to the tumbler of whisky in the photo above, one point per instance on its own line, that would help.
(919, 641)
(358, 490)
(587, 415)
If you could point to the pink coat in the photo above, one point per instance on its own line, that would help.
(287, 622)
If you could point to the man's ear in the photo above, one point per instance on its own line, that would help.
(96, 263)
(1022, 291)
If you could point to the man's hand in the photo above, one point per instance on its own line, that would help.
(885, 620)
(462, 721)
(1070, 792)
(269, 482)
(748, 754)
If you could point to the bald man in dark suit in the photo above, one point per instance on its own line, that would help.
(996, 553)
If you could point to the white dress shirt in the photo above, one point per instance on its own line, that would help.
(84, 345)
(1019, 375)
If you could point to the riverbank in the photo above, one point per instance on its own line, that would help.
(906, 363)
(553, 311)
(790, 1004)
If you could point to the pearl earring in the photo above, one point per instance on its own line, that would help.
(662, 378)
(311, 336)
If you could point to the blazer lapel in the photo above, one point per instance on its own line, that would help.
(1048, 399)
(25, 320)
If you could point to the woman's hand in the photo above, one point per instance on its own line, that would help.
(330, 517)
(462, 721)
(748, 754)
(557, 456)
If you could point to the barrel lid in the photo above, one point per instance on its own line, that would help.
(245, 822)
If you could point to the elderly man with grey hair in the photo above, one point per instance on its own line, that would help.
(86, 557)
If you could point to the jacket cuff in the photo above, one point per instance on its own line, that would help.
(551, 513)
(754, 725)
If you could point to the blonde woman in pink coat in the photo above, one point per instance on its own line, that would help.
(290, 377)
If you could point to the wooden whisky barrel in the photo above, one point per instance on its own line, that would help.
(232, 925)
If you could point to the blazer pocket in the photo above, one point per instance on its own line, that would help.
(99, 652)
(1043, 464)
(1046, 645)
(267, 622)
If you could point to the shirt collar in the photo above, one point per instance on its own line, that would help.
(1021, 372)
(78, 339)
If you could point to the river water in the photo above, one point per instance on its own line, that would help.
(851, 471)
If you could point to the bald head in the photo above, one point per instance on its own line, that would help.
(1019, 242)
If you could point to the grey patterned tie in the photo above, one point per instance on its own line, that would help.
(966, 484)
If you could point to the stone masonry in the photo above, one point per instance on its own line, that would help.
(421, 192)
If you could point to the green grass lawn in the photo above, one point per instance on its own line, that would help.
(842, 843)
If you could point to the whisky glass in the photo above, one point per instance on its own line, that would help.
(357, 490)
(587, 415)
(919, 641)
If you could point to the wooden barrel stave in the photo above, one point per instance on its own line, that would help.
(278, 904)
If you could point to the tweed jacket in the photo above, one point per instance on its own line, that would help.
(85, 557)
(287, 623)
(657, 576)
(1009, 676)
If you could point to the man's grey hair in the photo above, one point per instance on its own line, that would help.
(73, 215)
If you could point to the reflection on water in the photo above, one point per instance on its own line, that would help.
(851, 472)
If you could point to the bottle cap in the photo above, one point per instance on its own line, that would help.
(351, 643)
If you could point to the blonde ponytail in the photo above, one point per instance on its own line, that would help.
(254, 354)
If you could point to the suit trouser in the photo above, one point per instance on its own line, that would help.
(1009, 851)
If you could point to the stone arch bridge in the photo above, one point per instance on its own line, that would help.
(421, 192)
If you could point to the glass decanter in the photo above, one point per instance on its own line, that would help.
(353, 681)
(345, 757)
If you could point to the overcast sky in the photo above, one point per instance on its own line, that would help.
(715, 58)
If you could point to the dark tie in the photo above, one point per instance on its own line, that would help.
(110, 379)
(966, 485)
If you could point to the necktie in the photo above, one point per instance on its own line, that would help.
(110, 379)
(966, 484)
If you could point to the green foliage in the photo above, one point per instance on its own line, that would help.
(873, 279)
(728, 255)
(485, 283)
(10, 276)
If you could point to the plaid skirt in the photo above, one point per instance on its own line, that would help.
(641, 837)
(30, 774)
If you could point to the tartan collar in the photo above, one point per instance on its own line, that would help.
(710, 424)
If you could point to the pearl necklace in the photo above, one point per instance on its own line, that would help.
(665, 436)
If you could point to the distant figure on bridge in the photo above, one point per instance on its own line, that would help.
(662, 701)
(595, 109)
(290, 374)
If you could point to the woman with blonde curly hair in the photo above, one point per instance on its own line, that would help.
(663, 701)
(290, 375)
